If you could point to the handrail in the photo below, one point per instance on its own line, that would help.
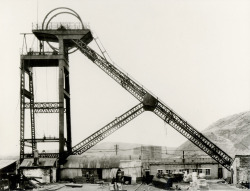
(58, 25)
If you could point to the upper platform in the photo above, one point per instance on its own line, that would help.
(66, 31)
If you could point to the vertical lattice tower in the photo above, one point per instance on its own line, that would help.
(49, 33)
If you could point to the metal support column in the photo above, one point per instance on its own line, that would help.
(22, 111)
(61, 101)
(68, 114)
(32, 113)
(64, 99)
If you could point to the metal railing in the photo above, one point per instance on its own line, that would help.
(35, 53)
(60, 26)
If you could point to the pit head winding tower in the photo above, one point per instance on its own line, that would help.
(61, 35)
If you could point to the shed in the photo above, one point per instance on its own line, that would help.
(8, 172)
(45, 171)
(8, 166)
(131, 168)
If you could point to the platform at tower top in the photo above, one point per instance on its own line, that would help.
(52, 32)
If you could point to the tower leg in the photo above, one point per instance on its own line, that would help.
(32, 114)
(61, 111)
(68, 118)
(22, 113)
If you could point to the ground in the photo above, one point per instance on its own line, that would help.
(213, 185)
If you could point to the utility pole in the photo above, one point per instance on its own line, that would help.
(183, 159)
(141, 152)
(116, 149)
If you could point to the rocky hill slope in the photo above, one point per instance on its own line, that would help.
(231, 134)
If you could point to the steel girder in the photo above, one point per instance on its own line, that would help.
(43, 155)
(45, 107)
(152, 103)
(28, 94)
(107, 129)
(32, 115)
(22, 113)
(193, 135)
(124, 80)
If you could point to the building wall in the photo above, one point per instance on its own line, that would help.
(70, 173)
(241, 170)
(45, 174)
(212, 168)
(131, 168)
(148, 152)
(107, 174)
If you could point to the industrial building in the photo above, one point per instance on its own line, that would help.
(100, 169)
(209, 167)
(8, 174)
(148, 152)
(241, 169)
(45, 168)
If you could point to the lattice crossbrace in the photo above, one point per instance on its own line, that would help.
(107, 130)
(123, 79)
(43, 155)
(161, 110)
(193, 135)
(46, 107)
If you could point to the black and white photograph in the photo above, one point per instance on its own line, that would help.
(135, 95)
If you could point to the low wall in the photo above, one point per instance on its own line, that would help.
(67, 173)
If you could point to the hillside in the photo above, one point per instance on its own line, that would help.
(231, 134)
(124, 149)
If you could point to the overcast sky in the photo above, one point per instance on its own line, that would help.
(194, 55)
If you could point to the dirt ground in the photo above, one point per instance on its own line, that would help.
(213, 185)
(96, 187)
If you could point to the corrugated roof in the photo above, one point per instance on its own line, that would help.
(43, 162)
(4, 163)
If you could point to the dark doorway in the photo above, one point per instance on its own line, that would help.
(99, 172)
(220, 173)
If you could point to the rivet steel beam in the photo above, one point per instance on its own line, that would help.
(155, 105)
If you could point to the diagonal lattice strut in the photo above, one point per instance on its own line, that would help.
(152, 103)
(193, 135)
(107, 130)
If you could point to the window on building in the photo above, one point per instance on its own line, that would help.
(169, 171)
(184, 170)
(160, 171)
(187, 170)
(195, 170)
(199, 171)
(207, 171)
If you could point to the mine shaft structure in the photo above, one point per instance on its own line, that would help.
(72, 39)
(50, 33)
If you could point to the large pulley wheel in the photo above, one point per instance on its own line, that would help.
(51, 15)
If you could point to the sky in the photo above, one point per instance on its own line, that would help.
(193, 54)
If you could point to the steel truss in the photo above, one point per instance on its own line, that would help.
(22, 113)
(107, 130)
(26, 94)
(45, 107)
(151, 103)
(43, 155)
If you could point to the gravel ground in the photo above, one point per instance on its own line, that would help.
(213, 185)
